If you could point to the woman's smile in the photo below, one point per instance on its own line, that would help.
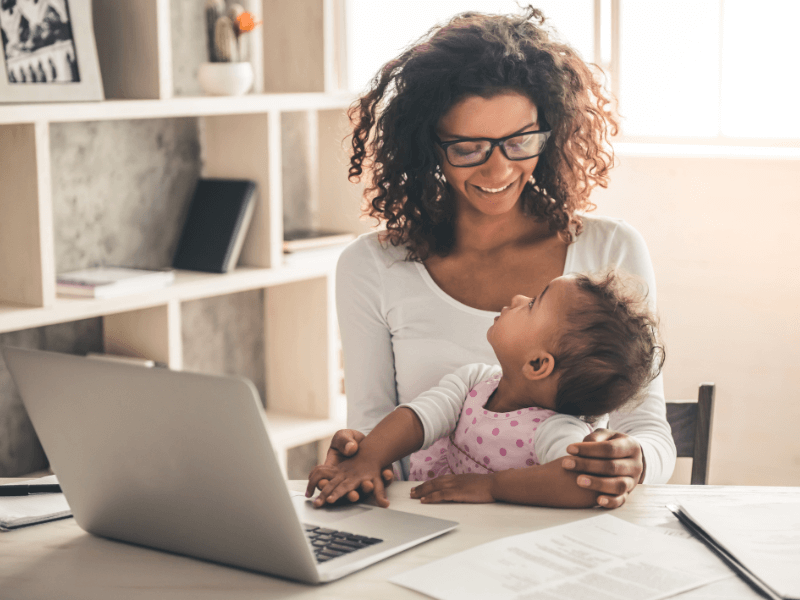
(497, 190)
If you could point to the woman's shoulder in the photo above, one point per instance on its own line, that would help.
(603, 231)
(608, 242)
(370, 247)
(608, 239)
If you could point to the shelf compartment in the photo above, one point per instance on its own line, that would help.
(133, 47)
(287, 431)
(248, 147)
(153, 333)
(300, 352)
(27, 263)
(113, 110)
(188, 285)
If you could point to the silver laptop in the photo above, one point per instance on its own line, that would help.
(182, 462)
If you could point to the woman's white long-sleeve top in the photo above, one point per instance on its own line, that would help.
(401, 333)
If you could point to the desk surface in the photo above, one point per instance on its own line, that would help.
(60, 560)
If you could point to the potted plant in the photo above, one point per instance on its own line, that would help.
(228, 72)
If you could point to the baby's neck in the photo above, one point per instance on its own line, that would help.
(510, 396)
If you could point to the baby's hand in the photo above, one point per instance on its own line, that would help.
(474, 488)
(345, 478)
(319, 478)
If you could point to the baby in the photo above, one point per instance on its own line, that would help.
(583, 348)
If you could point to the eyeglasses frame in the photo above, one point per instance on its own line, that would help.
(494, 143)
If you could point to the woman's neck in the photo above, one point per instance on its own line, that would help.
(477, 232)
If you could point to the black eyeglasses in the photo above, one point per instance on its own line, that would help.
(471, 152)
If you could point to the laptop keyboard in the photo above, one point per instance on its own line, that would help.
(329, 543)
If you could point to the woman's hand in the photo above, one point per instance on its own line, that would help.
(610, 463)
(471, 487)
(344, 445)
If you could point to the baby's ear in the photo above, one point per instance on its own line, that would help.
(539, 367)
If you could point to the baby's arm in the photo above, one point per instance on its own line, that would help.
(397, 435)
(547, 484)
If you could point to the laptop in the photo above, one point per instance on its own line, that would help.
(182, 462)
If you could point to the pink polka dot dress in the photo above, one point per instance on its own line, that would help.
(483, 441)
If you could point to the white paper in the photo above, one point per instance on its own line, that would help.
(733, 588)
(763, 537)
(17, 511)
(602, 558)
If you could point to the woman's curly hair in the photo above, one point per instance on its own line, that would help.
(482, 55)
(610, 348)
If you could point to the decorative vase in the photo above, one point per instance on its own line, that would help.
(225, 78)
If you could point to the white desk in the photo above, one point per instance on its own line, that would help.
(59, 560)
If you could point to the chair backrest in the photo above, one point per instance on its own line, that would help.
(691, 430)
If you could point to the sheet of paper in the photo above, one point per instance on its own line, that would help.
(18, 511)
(732, 588)
(764, 537)
(602, 558)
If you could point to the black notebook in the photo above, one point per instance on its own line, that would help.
(216, 225)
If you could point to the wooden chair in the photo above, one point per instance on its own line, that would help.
(691, 430)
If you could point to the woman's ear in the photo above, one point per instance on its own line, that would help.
(539, 367)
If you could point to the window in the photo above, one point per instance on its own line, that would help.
(690, 71)
(378, 30)
(709, 68)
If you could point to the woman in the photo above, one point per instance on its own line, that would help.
(482, 144)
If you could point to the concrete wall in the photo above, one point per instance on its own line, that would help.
(120, 194)
(722, 234)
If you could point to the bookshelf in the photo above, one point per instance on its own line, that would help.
(240, 138)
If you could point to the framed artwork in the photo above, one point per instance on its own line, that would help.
(48, 52)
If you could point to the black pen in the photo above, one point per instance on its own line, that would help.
(750, 578)
(25, 489)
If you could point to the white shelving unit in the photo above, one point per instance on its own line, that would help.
(241, 137)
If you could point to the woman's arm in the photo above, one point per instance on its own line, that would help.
(369, 375)
(368, 355)
(638, 446)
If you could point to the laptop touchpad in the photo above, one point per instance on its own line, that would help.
(330, 514)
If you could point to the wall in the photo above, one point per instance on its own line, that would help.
(722, 234)
(120, 194)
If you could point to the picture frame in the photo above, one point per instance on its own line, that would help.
(48, 52)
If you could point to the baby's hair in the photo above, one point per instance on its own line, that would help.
(609, 350)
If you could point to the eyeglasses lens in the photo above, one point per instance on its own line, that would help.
(470, 153)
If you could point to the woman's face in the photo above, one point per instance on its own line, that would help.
(494, 187)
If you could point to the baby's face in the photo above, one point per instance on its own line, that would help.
(531, 323)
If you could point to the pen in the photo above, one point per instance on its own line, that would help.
(25, 489)
(743, 572)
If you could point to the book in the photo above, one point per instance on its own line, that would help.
(110, 282)
(216, 225)
(19, 511)
(306, 239)
(314, 256)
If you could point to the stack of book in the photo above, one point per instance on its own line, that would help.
(110, 282)
(313, 246)
(299, 240)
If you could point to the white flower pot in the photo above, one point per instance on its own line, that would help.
(225, 79)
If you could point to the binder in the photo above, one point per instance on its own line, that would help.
(219, 216)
